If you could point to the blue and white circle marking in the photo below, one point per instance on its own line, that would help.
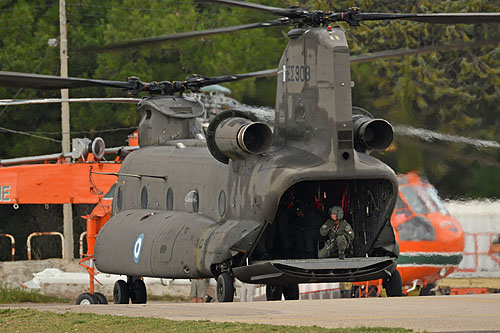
(138, 248)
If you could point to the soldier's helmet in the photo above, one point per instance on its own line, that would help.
(337, 211)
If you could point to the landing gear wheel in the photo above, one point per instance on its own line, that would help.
(121, 293)
(225, 288)
(273, 292)
(86, 299)
(393, 285)
(291, 292)
(100, 298)
(138, 293)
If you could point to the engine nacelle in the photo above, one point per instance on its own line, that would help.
(83, 147)
(371, 134)
(235, 135)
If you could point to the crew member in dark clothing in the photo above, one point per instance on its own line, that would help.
(340, 235)
(307, 222)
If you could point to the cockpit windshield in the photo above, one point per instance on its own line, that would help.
(424, 195)
(423, 199)
(433, 195)
(414, 200)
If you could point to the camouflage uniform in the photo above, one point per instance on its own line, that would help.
(340, 239)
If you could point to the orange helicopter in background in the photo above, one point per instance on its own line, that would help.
(431, 241)
(50, 179)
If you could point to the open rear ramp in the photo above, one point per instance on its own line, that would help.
(315, 270)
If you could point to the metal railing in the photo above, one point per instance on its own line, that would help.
(12, 242)
(50, 233)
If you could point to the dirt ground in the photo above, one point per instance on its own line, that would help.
(432, 313)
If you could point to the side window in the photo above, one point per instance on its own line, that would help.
(170, 199)
(417, 228)
(144, 198)
(119, 199)
(191, 201)
(222, 203)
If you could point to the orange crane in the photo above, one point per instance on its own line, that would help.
(50, 179)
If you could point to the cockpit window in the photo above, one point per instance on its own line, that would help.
(431, 191)
(402, 208)
(111, 192)
(413, 200)
(400, 204)
(424, 195)
(417, 228)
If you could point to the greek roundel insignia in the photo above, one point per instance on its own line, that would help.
(138, 248)
(348, 228)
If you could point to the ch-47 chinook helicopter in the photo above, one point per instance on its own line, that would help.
(186, 207)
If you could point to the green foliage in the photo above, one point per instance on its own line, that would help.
(453, 92)
(18, 295)
(19, 320)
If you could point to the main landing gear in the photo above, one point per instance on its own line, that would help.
(393, 284)
(133, 290)
(225, 290)
(225, 287)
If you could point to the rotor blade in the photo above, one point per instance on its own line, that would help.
(184, 35)
(443, 18)
(255, 6)
(446, 151)
(37, 81)
(430, 136)
(427, 49)
(201, 81)
(4, 102)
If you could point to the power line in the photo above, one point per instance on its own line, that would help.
(34, 71)
(31, 7)
(35, 134)
(28, 134)
(90, 132)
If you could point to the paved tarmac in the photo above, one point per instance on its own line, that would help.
(432, 313)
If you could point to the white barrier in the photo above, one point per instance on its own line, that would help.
(480, 222)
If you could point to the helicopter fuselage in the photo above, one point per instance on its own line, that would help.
(181, 213)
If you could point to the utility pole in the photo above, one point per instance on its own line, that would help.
(67, 209)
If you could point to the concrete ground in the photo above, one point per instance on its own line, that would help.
(436, 313)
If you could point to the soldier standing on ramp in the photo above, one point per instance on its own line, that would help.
(340, 235)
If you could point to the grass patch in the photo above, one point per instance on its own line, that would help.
(18, 295)
(20, 320)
